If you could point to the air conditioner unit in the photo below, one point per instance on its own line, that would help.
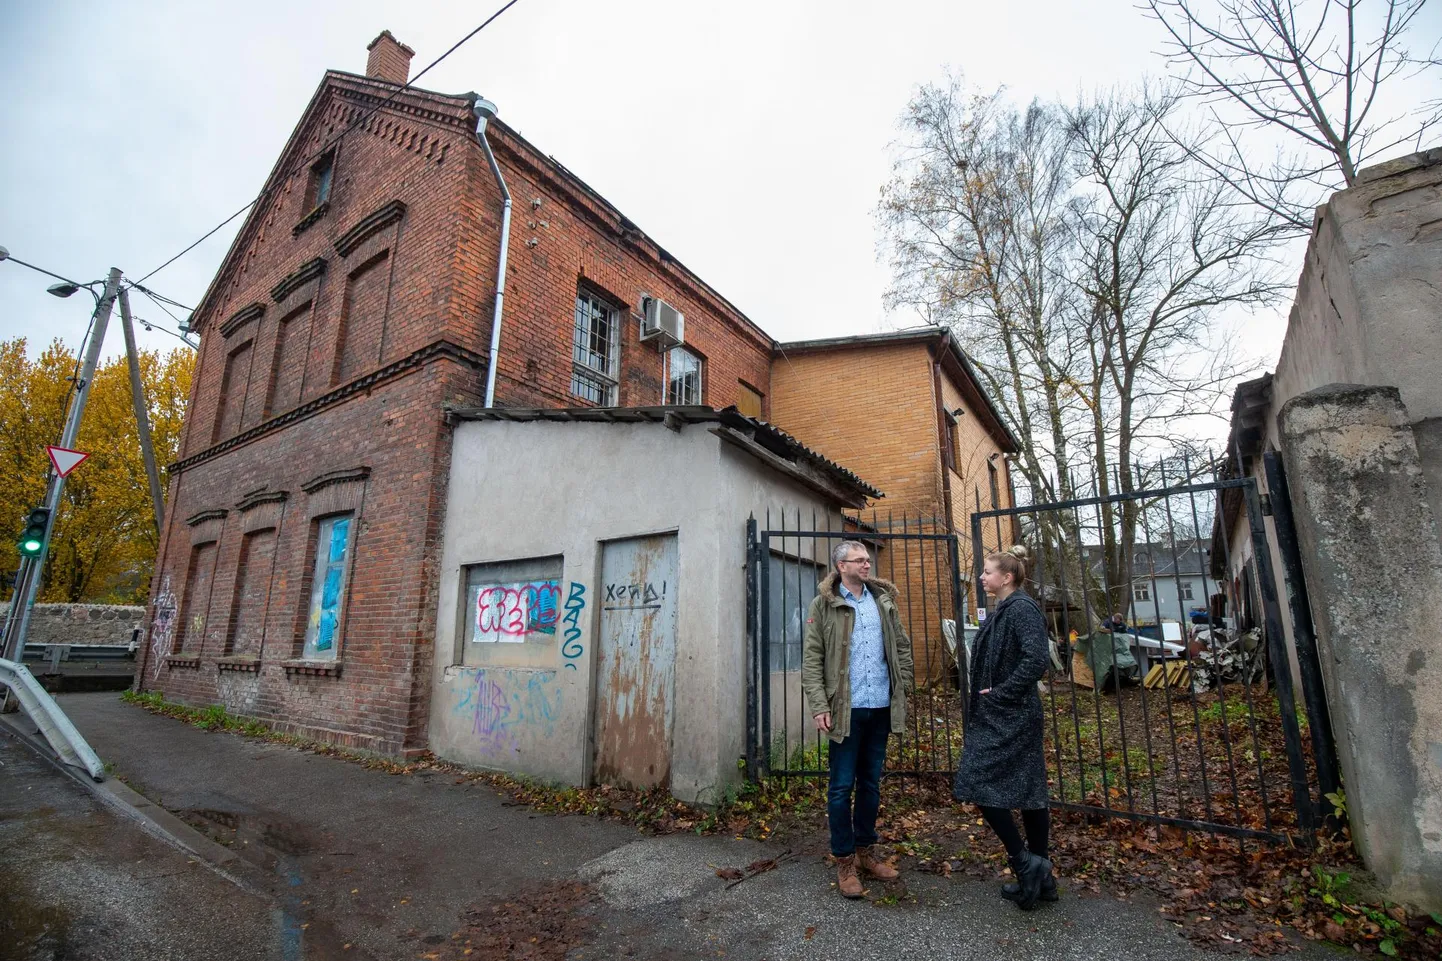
(662, 322)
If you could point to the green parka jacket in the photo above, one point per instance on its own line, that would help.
(826, 654)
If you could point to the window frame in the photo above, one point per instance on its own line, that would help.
(950, 456)
(671, 379)
(319, 567)
(583, 372)
(1141, 592)
(322, 181)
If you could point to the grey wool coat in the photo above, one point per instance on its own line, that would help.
(1003, 762)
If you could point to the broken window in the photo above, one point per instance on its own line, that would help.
(328, 586)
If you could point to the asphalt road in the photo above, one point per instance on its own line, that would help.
(343, 862)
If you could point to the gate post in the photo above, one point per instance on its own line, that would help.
(958, 609)
(1314, 694)
(1281, 669)
(754, 661)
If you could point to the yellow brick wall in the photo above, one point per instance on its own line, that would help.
(871, 409)
(971, 484)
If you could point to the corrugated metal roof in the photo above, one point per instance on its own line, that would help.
(770, 437)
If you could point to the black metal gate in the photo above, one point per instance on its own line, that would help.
(1184, 715)
(788, 555)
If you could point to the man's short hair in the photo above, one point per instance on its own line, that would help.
(839, 552)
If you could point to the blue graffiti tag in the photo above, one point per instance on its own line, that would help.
(575, 604)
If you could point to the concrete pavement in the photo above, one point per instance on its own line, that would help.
(394, 866)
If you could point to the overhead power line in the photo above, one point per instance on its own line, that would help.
(329, 145)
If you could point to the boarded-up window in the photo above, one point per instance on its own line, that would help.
(328, 588)
(232, 391)
(252, 581)
(363, 319)
(748, 400)
(196, 606)
(791, 585)
(514, 603)
(289, 367)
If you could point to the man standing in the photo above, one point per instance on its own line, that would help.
(855, 670)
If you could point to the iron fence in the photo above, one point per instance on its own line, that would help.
(1183, 714)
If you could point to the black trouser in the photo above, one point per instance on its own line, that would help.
(1038, 829)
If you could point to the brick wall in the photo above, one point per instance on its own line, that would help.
(870, 409)
(332, 338)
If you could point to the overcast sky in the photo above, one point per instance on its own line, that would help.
(749, 139)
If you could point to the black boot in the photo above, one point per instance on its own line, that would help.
(1012, 890)
(1032, 874)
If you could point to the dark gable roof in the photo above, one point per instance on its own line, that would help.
(770, 444)
(934, 336)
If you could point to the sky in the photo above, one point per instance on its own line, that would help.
(749, 139)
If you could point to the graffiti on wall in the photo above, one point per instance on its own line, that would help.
(645, 595)
(509, 613)
(503, 705)
(162, 626)
(572, 649)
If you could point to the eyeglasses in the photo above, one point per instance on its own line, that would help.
(858, 560)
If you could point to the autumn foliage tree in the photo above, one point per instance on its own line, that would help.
(104, 541)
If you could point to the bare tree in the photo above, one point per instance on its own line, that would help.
(1082, 257)
(1161, 248)
(1309, 71)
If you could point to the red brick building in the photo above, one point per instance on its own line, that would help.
(295, 576)
(297, 579)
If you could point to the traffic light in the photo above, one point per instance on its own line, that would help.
(32, 539)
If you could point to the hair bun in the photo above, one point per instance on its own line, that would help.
(1019, 552)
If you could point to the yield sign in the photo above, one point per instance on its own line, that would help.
(64, 459)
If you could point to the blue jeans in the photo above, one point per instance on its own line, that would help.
(855, 765)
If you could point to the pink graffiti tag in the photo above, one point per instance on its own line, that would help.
(515, 610)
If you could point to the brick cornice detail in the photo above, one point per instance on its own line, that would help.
(256, 498)
(242, 317)
(216, 514)
(335, 477)
(440, 349)
(318, 212)
(368, 225)
(305, 272)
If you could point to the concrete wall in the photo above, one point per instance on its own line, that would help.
(608, 481)
(1374, 572)
(81, 623)
(1369, 300)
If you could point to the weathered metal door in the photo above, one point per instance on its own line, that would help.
(636, 662)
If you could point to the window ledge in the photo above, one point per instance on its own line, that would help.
(313, 668)
(239, 663)
(182, 660)
(310, 218)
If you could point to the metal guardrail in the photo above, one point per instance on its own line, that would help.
(62, 735)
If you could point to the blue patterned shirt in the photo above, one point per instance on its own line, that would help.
(870, 680)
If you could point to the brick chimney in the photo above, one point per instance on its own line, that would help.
(389, 59)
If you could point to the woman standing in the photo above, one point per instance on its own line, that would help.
(1003, 763)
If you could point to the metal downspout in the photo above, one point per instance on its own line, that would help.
(484, 111)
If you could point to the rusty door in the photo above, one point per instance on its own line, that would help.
(636, 661)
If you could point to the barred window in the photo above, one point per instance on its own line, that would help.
(683, 382)
(593, 351)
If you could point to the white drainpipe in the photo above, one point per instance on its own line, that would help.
(485, 110)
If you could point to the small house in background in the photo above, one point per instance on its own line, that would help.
(592, 583)
(908, 411)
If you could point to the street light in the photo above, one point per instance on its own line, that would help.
(62, 290)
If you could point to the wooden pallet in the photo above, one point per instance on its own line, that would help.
(1173, 673)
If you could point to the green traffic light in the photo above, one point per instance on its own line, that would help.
(31, 546)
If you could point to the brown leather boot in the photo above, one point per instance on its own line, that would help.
(846, 880)
(877, 869)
